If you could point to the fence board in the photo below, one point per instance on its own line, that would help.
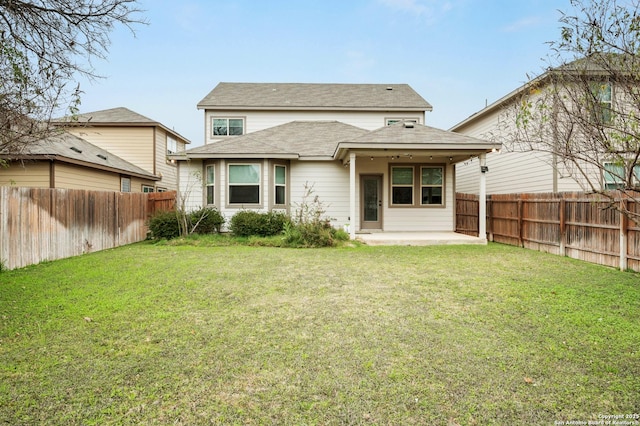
(578, 225)
(39, 224)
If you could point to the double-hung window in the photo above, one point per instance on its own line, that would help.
(227, 126)
(125, 184)
(431, 185)
(244, 183)
(602, 107)
(210, 183)
(172, 145)
(402, 185)
(280, 181)
(615, 176)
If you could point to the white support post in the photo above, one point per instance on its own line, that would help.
(482, 199)
(352, 195)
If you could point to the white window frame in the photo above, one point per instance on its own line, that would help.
(229, 184)
(148, 189)
(172, 145)
(213, 127)
(277, 185)
(125, 183)
(210, 183)
(393, 120)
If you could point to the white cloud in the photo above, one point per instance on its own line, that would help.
(522, 24)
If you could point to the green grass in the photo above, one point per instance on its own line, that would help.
(194, 334)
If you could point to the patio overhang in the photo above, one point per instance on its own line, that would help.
(424, 152)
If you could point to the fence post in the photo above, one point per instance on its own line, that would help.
(520, 221)
(624, 232)
(563, 229)
(490, 218)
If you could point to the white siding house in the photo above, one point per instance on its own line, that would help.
(362, 149)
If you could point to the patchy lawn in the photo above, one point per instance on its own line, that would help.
(159, 334)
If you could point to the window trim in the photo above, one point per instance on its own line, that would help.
(151, 187)
(123, 180)
(417, 185)
(392, 120)
(276, 185)
(604, 109)
(412, 185)
(218, 117)
(441, 186)
(207, 185)
(172, 143)
(229, 204)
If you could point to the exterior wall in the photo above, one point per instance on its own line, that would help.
(511, 170)
(33, 174)
(164, 168)
(398, 219)
(329, 181)
(190, 184)
(260, 120)
(133, 144)
(77, 177)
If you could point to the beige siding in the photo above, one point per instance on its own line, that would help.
(260, 120)
(329, 180)
(164, 168)
(33, 174)
(77, 177)
(134, 144)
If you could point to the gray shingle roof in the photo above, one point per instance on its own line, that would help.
(116, 117)
(314, 96)
(67, 147)
(290, 140)
(415, 134)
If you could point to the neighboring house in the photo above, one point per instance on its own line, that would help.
(362, 149)
(67, 161)
(521, 167)
(134, 138)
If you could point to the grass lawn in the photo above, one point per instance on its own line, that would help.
(162, 334)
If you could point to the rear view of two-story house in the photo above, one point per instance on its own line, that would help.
(363, 149)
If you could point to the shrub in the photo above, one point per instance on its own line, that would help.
(247, 223)
(164, 225)
(207, 220)
(312, 234)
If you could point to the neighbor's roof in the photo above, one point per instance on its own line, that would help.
(591, 66)
(116, 117)
(72, 149)
(316, 139)
(314, 96)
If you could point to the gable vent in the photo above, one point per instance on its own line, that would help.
(389, 88)
(408, 124)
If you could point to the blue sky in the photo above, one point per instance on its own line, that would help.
(457, 54)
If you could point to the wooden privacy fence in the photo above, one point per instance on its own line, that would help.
(38, 224)
(578, 225)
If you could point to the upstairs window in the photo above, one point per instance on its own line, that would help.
(172, 145)
(244, 183)
(602, 108)
(390, 121)
(227, 126)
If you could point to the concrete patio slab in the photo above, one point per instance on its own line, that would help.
(417, 238)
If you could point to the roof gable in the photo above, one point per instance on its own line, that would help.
(314, 96)
(116, 117)
(70, 148)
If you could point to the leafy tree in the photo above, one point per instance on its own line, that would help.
(44, 45)
(585, 109)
